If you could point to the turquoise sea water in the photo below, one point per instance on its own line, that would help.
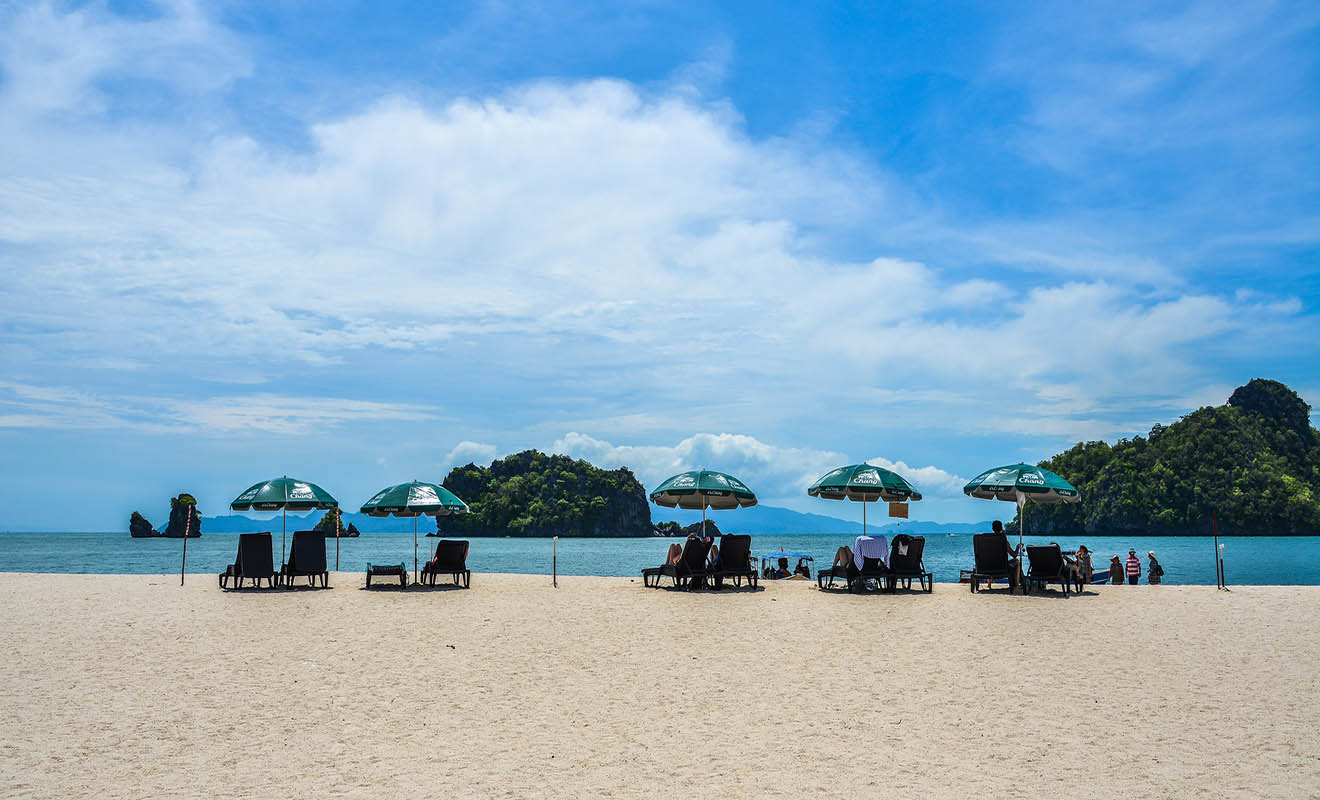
(1186, 560)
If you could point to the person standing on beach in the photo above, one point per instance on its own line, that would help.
(1115, 570)
(1133, 568)
(1154, 572)
(1084, 568)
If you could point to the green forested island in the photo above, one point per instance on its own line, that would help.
(534, 494)
(1255, 462)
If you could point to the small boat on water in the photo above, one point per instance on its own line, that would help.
(780, 566)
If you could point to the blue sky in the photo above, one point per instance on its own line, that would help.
(362, 242)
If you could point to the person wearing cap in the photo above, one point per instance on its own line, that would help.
(1133, 568)
(1154, 572)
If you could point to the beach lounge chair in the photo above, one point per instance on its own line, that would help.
(399, 571)
(1047, 566)
(855, 579)
(306, 559)
(735, 561)
(450, 559)
(905, 563)
(255, 561)
(691, 565)
(873, 566)
(992, 561)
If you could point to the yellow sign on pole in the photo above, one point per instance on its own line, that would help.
(899, 510)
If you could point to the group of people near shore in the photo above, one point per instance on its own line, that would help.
(1079, 559)
(1118, 569)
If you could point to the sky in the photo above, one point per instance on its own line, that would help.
(361, 243)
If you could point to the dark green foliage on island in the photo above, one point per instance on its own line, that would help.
(181, 509)
(1255, 462)
(670, 528)
(139, 527)
(533, 494)
(329, 523)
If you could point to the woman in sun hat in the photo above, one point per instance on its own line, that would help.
(1154, 572)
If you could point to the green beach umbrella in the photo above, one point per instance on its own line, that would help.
(286, 494)
(864, 483)
(703, 489)
(414, 499)
(1019, 483)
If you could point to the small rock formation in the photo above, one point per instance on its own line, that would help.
(712, 529)
(351, 532)
(140, 528)
(676, 529)
(181, 509)
(666, 529)
(334, 519)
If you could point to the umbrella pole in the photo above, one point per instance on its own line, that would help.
(338, 524)
(1022, 524)
(284, 523)
(863, 516)
(414, 548)
(703, 518)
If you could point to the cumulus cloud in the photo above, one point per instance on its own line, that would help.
(466, 452)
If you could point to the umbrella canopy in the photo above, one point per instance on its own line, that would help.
(703, 489)
(284, 494)
(1018, 482)
(865, 484)
(414, 499)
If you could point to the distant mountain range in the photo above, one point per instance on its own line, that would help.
(757, 519)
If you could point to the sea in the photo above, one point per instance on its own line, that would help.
(1256, 560)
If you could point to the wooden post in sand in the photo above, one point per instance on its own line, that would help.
(187, 527)
(554, 563)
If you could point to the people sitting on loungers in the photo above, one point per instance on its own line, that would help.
(868, 556)
(675, 553)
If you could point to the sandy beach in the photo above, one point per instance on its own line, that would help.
(130, 686)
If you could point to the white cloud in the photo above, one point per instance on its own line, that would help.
(633, 256)
(466, 452)
(34, 406)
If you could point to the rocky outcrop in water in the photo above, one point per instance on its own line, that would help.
(140, 528)
(181, 509)
(677, 529)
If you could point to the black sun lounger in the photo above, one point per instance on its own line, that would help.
(306, 559)
(992, 561)
(450, 559)
(855, 579)
(1047, 566)
(691, 565)
(255, 561)
(735, 561)
(905, 563)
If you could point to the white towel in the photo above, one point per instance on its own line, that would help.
(871, 547)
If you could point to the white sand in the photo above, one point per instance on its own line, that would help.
(128, 686)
